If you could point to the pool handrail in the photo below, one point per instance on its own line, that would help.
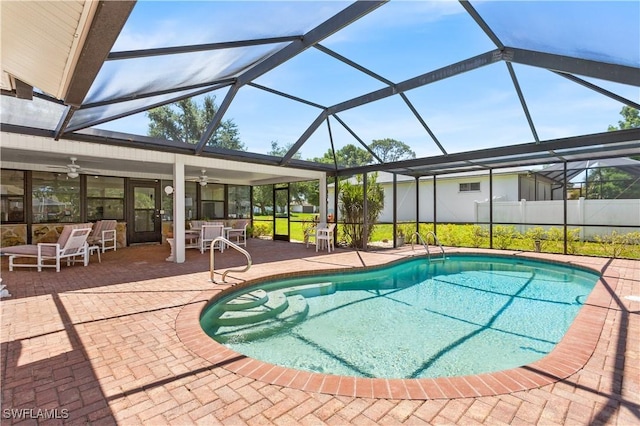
(426, 246)
(227, 243)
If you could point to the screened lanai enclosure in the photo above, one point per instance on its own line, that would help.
(501, 124)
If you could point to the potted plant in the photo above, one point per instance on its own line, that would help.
(538, 235)
(400, 237)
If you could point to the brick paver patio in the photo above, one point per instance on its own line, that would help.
(114, 343)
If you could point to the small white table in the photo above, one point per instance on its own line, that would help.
(192, 238)
(225, 232)
(95, 249)
(172, 256)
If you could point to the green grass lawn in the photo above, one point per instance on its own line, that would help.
(475, 236)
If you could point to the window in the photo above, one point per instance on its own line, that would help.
(105, 198)
(212, 201)
(470, 186)
(55, 197)
(190, 203)
(12, 190)
(239, 202)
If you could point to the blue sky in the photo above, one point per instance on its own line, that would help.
(401, 39)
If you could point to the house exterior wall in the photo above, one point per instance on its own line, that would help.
(453, 205)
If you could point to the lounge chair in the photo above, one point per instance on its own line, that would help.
(196, 224)
(208, 233)
(104, 235)
(239, 233)
(71, 243)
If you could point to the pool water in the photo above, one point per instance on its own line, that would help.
(466, 315)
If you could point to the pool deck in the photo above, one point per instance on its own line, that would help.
(118, 342)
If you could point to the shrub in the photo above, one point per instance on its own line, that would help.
(573, 238)
(406, 231)
(634, 244)
(503, 236)
(477, 236)
(352, 211)
(450, 235)
(614, 244)
(260, 229)
(537, 234)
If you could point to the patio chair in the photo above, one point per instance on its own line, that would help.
(208, 233)
(215, 222)
(196, 224)
(239, 233)
(71, 243)
(104, 235)
(325, 234)
(310, 233)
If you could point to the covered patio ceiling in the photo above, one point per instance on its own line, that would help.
(87, 71)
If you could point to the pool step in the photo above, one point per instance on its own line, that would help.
(296, 310)
(312, 290)
(275, 304)
(247, 301)
(263, 311)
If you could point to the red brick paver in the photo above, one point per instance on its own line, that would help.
(115, 343)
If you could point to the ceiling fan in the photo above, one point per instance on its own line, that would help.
(203, 179)
(73, 170)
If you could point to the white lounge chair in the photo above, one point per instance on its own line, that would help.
(239, 233)
(104, 235)
(71, 243)
(208, 233)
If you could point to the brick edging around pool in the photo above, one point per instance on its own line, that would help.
(568, 357)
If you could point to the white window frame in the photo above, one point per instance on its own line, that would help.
(469, 187)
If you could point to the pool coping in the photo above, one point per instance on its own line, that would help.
(568, 357)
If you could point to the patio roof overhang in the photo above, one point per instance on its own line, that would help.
(37, 152)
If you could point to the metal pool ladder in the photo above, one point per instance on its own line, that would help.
(426, 246)
(227, 243)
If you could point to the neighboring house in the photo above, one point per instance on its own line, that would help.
(303, 208)
(456, 194)
(520, 196)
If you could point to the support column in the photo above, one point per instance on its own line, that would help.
(322, 196)
(491, 208)
(395, 210)
(178, 210)
(564, 206)
(365, 211)
(417, 204)
(435, 203)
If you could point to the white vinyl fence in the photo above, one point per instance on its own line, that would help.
(590, 215)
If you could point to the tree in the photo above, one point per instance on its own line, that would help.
(347, 156)
(610, 182)
(281, 151)
(263, 198)
(352, 208)
(306, 192)
(631, 119)
(186, 121)
(300, 192)
(390, 150)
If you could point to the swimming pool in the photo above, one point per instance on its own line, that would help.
(413, 319)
